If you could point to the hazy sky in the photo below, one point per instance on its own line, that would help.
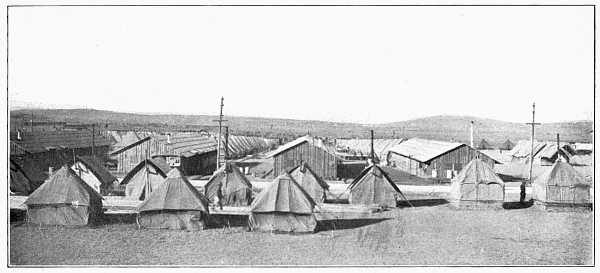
(359, 64)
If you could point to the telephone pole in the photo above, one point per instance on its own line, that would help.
(533, 124)
(220, 121)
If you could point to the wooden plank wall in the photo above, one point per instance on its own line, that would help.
(457, 158)
(320, 161)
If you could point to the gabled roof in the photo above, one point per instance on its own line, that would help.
(239, 146)
(314, 141)
(523, 148)
(550, 150)
(63, 187)
(176, 193)
(95, 165)
(424, 150)
(283, 195)
(158, 163)
(41, 141)
(374, 170)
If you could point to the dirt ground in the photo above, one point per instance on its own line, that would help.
(429, 234)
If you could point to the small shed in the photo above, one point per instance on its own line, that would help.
(314, 185)
(373, 187)
(92, 171)
(175, 204)
(561, 186)
(64, 200)
(229, 187)
(477, 183)
(484, 145)
(320, 155)
(283, 207)
(149, 172)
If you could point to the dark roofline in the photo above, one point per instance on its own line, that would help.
(367, 170)
(139, 166)
(130, 146)
(451, 150)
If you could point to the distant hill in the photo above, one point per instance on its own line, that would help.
(450, 128)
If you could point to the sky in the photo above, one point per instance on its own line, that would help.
(349, 64)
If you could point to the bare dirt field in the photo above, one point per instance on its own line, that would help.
(432, 234)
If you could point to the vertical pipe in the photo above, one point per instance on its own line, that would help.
(472, 144)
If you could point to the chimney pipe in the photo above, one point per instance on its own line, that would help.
(472, 145)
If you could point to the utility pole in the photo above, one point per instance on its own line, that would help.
(533, 124)
(93, 139)
(372, 148)
(220, 121)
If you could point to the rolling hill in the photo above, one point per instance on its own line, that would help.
(450, 128)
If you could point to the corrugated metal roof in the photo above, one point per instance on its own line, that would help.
(187, 144)
(424, 150)
(523, 148)
(239, 146)
(363, 146)
(41, 141)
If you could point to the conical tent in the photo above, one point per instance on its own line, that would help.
(477, 181)
(314, 185)
(64, 200)
(175, 204)
(507, 145)
(484, 145)
(150, 172)
(229, 186)
(561, 184)
(373, 187)
(19, 182)
(283, 207)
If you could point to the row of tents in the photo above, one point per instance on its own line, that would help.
(286, 205)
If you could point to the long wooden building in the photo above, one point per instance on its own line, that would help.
(433, 159)
(193, 153)
(320, 156)
(38, 152)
